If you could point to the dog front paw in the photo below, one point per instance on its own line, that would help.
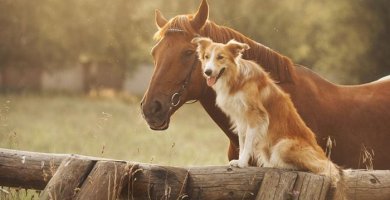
(238, 163)
(233, 163)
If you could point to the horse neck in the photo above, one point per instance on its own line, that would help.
(313, 97)
(208, 101)
(280, 67)
(313, 80)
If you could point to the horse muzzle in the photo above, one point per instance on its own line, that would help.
(159, 126)
(156, 114)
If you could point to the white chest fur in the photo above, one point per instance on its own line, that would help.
(232, 104)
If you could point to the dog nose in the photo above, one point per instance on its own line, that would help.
(208, 72)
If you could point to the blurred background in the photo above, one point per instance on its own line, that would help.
(72, 72)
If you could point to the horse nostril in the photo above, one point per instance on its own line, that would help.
(208, 72)
(157, 106)
(141, 103)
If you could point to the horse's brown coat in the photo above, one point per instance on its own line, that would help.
(352, 115)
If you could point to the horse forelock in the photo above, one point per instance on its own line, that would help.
(180, 23)
(280, 67)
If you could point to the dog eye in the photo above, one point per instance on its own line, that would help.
(219, 57)
(206, 56)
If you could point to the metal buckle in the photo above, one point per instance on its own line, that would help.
(173, 99)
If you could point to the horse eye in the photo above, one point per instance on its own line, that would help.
(188, 52)
(219, 57)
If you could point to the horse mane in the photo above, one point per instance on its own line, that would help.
(280, 67)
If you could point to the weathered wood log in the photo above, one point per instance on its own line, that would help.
(277, 185)
(144, 181)
(105, 181)
(66, 181)
(157, 182)
(30, 170)
(368, 184)
(224, 182)
(27, 169)
(311, 187)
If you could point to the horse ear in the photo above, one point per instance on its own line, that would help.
(201, 16)
(160, 19)
(236, 48)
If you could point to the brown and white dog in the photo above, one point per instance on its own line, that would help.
(269, 128)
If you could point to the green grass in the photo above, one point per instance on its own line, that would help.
(111, 128)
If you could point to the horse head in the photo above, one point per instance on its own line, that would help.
(177, 74)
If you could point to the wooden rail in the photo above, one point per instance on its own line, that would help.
(63, 176)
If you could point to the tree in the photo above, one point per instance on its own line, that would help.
(344, 40)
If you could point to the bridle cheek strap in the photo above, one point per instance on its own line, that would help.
(176, 97)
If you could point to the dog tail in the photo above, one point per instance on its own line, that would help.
(338, 190)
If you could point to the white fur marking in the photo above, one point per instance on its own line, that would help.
(210, 63)
(384, 78)
(243, 160)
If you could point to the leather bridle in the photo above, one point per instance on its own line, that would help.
(176, 97)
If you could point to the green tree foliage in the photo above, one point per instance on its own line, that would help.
(55, 32)
(347, 41)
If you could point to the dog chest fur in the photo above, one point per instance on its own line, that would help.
(233, 105)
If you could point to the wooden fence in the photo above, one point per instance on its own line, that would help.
(63, 176)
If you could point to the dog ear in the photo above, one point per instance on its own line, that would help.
(236, 48)
(202, 42)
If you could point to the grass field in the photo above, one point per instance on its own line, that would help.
(111, 128)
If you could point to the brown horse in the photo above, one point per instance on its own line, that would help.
(354, 116)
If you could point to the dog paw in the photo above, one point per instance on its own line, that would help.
(233, 163)
(238, 163)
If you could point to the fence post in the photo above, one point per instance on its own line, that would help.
(104, 182)
(67, 179)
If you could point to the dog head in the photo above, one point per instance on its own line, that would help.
(218, 59)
